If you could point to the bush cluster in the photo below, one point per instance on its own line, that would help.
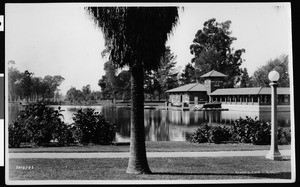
(253, 131)
(284, 136)
(91, 127)
(213, 134)
(40, 125)
(37, 125)
(246, 130)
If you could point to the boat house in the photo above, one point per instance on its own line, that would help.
(247, 99)
(197, 93)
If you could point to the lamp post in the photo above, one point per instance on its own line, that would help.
(274, 153)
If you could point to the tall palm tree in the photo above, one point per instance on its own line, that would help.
(136, 37)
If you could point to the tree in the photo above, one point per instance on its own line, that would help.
(37, 86)
(124, 84)
(164, 78)
(136, 37)
(74, 95)
(244, 80)
(150, 84)
(86, 92)
(26, 83)
(13, 78)
(166, 74)
(280, 64)
(52, 82)
(189, 75)
(95, 95)
(105, 88)
(111, 78)
(212, 50)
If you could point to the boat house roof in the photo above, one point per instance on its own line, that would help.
(193, 87)
(250, 91)
(213, 73)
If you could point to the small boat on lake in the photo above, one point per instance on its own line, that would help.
(212, 105)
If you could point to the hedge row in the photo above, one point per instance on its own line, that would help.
(246, 130)
(40, 125)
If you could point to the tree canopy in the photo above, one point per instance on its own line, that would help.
(135, 34)
(23, 85)
(212, 50)
(165, 78)
(280, 64)
(83, 96)
(115, 85)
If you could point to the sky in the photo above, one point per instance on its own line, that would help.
(61, 39)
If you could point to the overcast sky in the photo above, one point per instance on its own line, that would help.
(61, 39)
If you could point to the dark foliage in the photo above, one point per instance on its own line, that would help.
(135, 34)
(246, 130)
(38, 125)
(91, 127)
(213, 134)
(284, 136)
(218, 134)
(201, 135)
(253, 131)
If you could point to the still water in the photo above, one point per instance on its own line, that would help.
(164, 125)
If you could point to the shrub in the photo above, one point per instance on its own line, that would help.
(201, 135)
(16, 134)
(218, 134)
(92, 127)
(214, 134)
(261, 134)
(246, 130)
(37, 124)
(253, 131)
(284, 136)
(65, 136)
(241, 130)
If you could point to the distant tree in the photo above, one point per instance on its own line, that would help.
(244, 80)
(280, 64)
(86, 92)
(189, 75)
(124, 85)
(52, 82)
(212, 50)
(95, 95)
(26, 84)
(37, 86)
(136, 37)
(150, 84)
(111, 78)
(74, 95)
(164, 78)
(14, 77)
(83, 96)
(105, 88)
(166, 75)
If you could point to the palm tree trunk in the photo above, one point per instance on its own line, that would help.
(138, 163)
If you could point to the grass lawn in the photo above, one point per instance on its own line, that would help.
(163, 146)
(163, 169)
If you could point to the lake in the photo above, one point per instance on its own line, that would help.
(164, 125)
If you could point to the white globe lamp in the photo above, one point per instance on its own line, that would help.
(274, 76)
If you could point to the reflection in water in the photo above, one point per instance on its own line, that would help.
(163, 125)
